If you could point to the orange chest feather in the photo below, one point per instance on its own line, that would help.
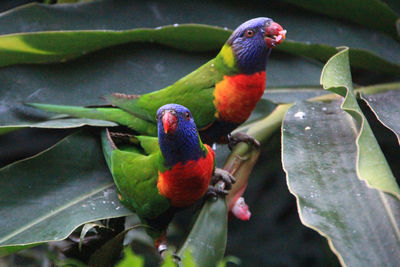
(186, 183)
(236, 96)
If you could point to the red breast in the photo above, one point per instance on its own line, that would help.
(186, 183)
(235, 97)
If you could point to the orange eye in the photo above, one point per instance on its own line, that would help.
(249, 33)
(187, 115)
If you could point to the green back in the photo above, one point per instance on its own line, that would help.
(194, 91)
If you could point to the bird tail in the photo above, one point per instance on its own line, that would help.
(102, 113)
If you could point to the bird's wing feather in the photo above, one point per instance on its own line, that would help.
(194, 91)
(136, 178)
(135, 173)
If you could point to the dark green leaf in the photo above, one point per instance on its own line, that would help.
(130, 259)
(4, 251)
(56, 191)
(207, 244)
(359, 57)
(372, 166)
(108, 253)
(292, 95)
(320, 158)
(59, 46)
(374, 14)
(386, 107)
(60, 123)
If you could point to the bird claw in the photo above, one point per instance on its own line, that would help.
(213, 191)
(238, 137)
(224, 176)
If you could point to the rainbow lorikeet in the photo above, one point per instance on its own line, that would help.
(221, 94)
(161, 176)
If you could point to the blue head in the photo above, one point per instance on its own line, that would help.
(252, 42)
(177, 135)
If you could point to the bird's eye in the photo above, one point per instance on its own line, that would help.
(187, 115)
(249, 33)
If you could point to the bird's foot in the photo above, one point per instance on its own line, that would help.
(213, 191)
(220, 176)
(224, 176)
(238, 137)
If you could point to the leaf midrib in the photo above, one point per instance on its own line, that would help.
(56, 211)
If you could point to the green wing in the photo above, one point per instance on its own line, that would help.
(135, 174)
(194, 91)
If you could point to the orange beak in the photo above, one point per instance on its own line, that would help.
(274, 34)
(169, 121)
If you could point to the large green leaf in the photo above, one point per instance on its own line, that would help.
(59, 46)
(385, 105)
(320, 156)
(374, 14)
(302, 26)
(207, 244)
(34, 47)
(44, 198)
(372, 166)
(59, 123)
(359, 57)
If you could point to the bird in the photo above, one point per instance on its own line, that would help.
(158, 176)
(221, 94)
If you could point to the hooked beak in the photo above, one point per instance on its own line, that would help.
(169, 121)
(274, 34)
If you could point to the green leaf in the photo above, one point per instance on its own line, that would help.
(85, 229)
(129, 15)
(188, 260)
(168, 261)
(59, 123)
(292, 95)
(374, 14)
(372, 166)
(319, 157)
(359, 57)
(207, 244)
(231, 259)
(59, 46)
(55, 191)
(130, 259)
(4, 251)
(386, 107)
(109, 252)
